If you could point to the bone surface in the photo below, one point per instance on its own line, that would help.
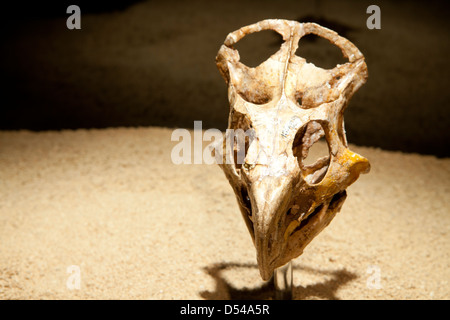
(286, 105)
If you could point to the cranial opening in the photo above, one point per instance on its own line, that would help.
(319, 51)
(254, 51)
(311, 149)
(318, 150)
(257, 47)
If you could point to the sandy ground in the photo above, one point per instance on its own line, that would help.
(139, 227)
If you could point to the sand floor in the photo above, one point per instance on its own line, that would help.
(135, 226)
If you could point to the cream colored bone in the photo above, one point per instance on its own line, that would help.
(290, 104)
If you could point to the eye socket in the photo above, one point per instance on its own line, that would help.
(318, 150)
(319, 51)
(255, 48)
(311, 149)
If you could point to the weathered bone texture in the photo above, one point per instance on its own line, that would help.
(290, 104)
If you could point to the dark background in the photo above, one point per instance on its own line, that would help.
(152, 63)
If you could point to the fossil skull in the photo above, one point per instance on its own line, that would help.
(289, 104)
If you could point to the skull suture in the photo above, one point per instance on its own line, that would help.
(290, 104)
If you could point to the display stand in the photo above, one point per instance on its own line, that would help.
(282, 279)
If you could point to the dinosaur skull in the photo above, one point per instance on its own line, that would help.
(290, 104)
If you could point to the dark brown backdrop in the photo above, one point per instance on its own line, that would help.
(152, 63)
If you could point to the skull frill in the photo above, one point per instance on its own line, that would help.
(289, 104)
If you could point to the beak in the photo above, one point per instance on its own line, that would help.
(270, 201)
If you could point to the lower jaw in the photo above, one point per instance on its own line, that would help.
(330, 207)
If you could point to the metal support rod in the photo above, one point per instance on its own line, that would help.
(282, 278)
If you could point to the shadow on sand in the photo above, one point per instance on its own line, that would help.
(321, 290)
